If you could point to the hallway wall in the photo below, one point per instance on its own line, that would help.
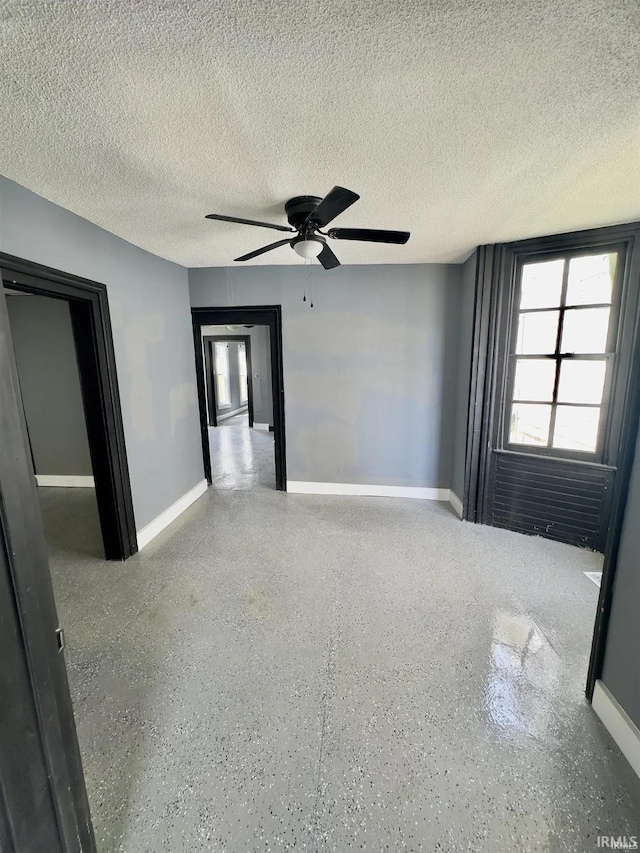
(370, 373)
(50, 384)
(621, 668)
(149, 305)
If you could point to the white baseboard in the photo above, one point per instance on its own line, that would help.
(456, 503)
(616, 721)
(151, 530)
(261, 426)
(232, 414)
(65, 480)
(299, 487)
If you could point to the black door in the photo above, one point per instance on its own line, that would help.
(43, 803)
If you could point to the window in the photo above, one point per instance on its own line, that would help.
(223, 390)
(242, 373)
(561, 355)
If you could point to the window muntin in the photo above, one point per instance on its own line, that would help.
(560, 358)
(223, 388)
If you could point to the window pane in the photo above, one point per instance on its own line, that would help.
(537, 333)
(222, 389)
(529, 424)
(541, 284)
(222, 375)
(581, 381)
(534, 379)
(242, 373)
(222, 359)
(591, 279)
(585, 330)
(576, 428)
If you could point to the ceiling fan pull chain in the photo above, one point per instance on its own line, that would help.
(311, 276)
(306, 276)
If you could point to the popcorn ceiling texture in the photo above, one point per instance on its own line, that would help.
(466, 123)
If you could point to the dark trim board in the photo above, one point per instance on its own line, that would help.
(91, 325)
(209, 363)
(259, 315)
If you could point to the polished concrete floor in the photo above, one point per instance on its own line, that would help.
(279, 672)
(241, 458)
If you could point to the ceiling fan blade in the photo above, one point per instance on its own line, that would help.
(248, 222)
(328, 259)
(370, 235)
(263, 250)
(333, 204)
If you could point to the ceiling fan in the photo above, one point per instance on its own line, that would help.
(307, 214)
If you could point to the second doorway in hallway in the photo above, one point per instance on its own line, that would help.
(240, 406)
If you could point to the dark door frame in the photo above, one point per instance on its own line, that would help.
(494, 264)
(43, 800)
(209, 364)
(93, 337)
(258, 315)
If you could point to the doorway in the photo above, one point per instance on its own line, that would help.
(228, 373)
(85, 309)
(241, 395)
(240, 406)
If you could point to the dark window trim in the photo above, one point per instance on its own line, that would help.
(209, 362)
(601, 453)
(91, 323)
(259, 315)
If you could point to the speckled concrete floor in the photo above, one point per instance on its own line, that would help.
(279, 672)
(241, 458)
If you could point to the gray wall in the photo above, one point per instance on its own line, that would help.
(149, 304)
(621, 671)
(370, 372)
(467, 297)
(260, 368)
(50, 384)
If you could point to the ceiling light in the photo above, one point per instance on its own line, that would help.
(308, 248)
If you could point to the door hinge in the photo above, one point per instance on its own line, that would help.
(60, 638)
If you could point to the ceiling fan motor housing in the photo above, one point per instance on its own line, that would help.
(299, 207)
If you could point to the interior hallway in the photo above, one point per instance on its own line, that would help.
(278, 671)
(241, 458)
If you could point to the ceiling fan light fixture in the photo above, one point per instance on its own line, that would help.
(308, 247)
(306, 214)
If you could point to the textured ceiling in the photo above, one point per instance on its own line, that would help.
(463, 121)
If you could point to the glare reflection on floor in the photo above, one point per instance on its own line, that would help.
(522, 665)
(241, 457)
